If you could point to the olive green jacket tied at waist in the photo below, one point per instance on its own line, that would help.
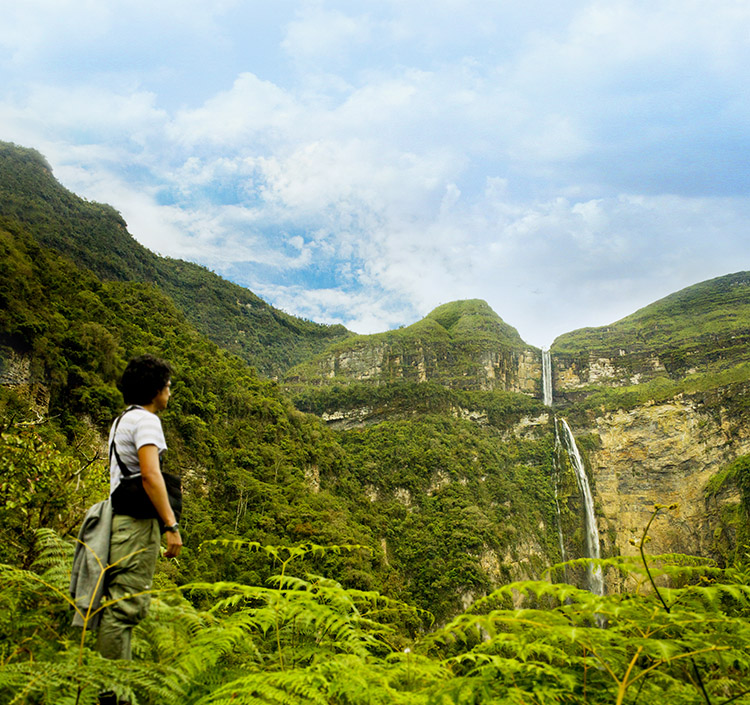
(87, 581)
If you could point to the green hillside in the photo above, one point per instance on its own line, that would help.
(474, 321)
(241, 447)
(95, 236)
(255, 467)
(702, 326)
(455, 345)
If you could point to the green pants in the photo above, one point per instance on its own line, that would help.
(133, 550)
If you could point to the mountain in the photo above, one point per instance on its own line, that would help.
(705, 327)
(661, 399)
(659, 402)
(460, 345)
(95, 236)
(429, 445)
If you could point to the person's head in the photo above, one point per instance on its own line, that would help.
(144, 378)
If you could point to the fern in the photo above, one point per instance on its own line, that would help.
(681, 630)
(529, 652)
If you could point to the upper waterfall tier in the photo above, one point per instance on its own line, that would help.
(547, 377)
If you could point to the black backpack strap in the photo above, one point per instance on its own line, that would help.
(126, 472)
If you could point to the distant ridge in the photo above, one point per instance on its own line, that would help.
(704, 324)
(461, 345)
(95, 236)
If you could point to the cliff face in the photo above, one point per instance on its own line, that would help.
(17, 373)
(423, 361)
(463, 345)
(575, 372)
(665, 454)
(657, 402)
(703, 328)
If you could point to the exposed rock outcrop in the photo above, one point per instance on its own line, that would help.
(17, 371)
(463, 345)
(663, 454)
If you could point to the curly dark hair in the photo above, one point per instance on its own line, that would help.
(144, 377)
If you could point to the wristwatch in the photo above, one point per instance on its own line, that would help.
(175, 527)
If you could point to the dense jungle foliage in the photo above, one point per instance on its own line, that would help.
(253, 465)
(307, 640)
(234, 437)
(94, 236)
(405, 399)
(320, 566)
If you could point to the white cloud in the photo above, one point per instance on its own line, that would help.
(251, 110)
(319, 34)
(360, 311)
(87, 108)
(564, 161)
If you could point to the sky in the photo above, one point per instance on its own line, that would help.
(364, 162)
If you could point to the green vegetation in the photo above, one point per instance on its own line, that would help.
(240, 446)
(474, 320)
(309, 641)
(422, 511)
(254, 466)
(451, 346)
(453, 503)
(704, 327)
(94, 236)
(732, 535)
(42, 486)
(408, 398)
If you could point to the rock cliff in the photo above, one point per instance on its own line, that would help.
(703, 328)
(658, 403)
(666, 453)
(17, 372)
(463, 345)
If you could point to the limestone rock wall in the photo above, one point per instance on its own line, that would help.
(616, 369)
(17, 371)
(453, 366)
(663, 453)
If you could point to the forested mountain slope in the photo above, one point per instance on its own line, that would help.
(431, 497)
(245, 454)
(460, 345)
(414, 492)
(95, 236)
(702, 328)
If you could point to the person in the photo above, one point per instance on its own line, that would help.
(136, 442)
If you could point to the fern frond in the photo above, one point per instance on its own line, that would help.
(288, 688)
(54, 557)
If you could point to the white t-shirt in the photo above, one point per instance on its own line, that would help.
(137, 428)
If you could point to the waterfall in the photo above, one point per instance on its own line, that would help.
(596, 580)
(559, 526)
(546, 377)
